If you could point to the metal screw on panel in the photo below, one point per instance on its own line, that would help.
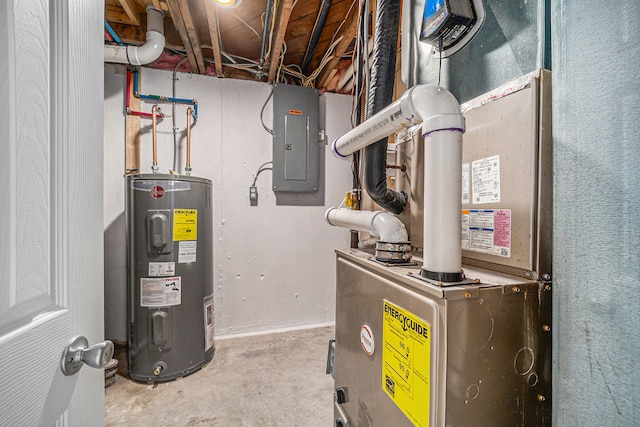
(547, 287)
(467, 295)
(515, 289)
(546, 277)
(541, 398)
(546, 328)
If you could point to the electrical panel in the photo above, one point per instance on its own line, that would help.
(295, 138)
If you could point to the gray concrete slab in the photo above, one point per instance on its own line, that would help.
(265, 380)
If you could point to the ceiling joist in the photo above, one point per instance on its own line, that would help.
(131, 10)
(212, 20)
(276, 50)
(181, 16)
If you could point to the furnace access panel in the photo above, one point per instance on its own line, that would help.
(295, 138)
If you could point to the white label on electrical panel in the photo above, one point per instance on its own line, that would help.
(208, 322)
(187, 251)
(487, 231)
(160, 292)
(162, 269)
(486, 180)
(465, 183)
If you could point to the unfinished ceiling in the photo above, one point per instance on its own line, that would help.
(227, 42)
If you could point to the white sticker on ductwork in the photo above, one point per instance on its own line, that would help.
(160, 292)
(187, 251)
(162, 269)
(465, 183)
(487, 231)
(486, 180)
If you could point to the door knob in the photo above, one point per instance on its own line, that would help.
(78, 352)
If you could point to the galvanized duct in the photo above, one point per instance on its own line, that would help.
(381, 95)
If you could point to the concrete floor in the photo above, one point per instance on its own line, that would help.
(265, 380)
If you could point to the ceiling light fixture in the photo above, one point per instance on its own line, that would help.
(226, 3)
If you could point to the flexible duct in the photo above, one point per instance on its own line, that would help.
(382, 224)
(381, 95)
(148, 52)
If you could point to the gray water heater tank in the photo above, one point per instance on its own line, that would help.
(170, 276)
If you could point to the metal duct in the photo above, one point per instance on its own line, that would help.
(381, 95)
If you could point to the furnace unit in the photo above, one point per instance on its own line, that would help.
(463, 339)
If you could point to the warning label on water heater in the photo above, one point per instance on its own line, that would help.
(185, 224)
(487, 231)
(160, 292)
(406, 362)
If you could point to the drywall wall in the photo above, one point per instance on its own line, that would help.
(274, 264)
(596, 107)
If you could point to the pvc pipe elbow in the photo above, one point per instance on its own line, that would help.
(148, 52)
(389, 228)
(378, 223)
(437, 107)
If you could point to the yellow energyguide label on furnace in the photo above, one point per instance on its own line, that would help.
(406, 362)
(185, 224)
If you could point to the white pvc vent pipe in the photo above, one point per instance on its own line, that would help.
(442, 127)
(378, 223)
(148, 52)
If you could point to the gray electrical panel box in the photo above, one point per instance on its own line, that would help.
(295, 138)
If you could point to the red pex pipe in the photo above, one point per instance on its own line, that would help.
(128, 101)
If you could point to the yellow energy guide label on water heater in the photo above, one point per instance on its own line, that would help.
(185, 224)
(406, 362)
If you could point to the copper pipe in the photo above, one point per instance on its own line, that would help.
(188, 168)
(154, 113)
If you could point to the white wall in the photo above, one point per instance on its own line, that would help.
(274, 265)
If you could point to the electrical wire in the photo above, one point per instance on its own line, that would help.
(245, 23)
(260, 170)
(262, 112)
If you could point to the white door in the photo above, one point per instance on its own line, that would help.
(51, 237)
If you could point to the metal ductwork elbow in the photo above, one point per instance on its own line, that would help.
(148, 52)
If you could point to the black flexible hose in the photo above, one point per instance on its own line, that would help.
(381, 95)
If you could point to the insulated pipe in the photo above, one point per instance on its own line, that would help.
(321, 19)
(380, 94)
(148, 52)
(187, 169)
(154, 113)
(378, 223)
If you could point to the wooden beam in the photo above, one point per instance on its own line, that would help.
(178, 22)
(348, 34)
(212, 20)
(132, 131)
(114, 14)
(131, 10)
(193, 36)
(276, 49)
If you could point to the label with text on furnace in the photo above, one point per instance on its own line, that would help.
(487, 231)
(406, 362)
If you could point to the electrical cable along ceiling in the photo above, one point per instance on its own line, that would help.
(307, 43)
